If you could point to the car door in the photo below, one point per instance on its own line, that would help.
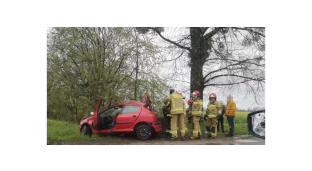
(126, 118)
(96, 112)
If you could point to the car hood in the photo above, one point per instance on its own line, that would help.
(85, 119)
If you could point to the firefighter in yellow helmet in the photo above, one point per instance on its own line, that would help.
(177, 110)
(213, 112)
(196, 112)
(185, 117)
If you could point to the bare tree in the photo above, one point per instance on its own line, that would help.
(225, 58)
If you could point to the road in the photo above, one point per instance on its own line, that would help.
(129, 140)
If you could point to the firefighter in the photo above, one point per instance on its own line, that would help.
(185, 115)
(196, 112)
(188, 113)
(177, 115)
(166, 112)
(212, 113)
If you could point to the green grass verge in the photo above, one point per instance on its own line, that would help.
(240, 123)
(63, 131)
(58, 131)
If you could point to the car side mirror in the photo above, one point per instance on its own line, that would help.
(91, 113)
(256, 123)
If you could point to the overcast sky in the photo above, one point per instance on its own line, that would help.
(173, 32)
(181, 83)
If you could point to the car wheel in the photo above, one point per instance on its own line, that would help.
(85, 130)
(143, 132)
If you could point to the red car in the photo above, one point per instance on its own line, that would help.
(128, 117)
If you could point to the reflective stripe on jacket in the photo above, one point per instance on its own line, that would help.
(176, 104)
(213, 109)
(197, 107)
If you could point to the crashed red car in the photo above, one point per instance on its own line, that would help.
(129, 117)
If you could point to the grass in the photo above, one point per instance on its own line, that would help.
(58, 131)
(63, 131)
(240, 125)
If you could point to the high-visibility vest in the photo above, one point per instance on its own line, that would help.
(213, 109)
(176, 104)
(197, 107)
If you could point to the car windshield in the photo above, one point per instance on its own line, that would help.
(257, 122)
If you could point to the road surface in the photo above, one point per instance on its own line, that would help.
(130, 140)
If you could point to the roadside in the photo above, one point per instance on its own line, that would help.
(62, 132)
(130, 140)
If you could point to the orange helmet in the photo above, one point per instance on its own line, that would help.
(190, 101)
(196, 92)
(212, 95)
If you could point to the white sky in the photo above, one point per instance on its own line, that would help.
(242, 101)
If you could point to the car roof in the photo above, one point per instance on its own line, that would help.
(132, 102)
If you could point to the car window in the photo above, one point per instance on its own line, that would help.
(130, 109)
(111, 112)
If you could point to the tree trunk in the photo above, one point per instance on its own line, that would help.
(136, 69)
(198, 56)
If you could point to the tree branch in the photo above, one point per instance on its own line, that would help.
(212, 33)
(204, 29)
(238, 63)
(175, 58)
(226, 84)
(234, 75)
(250, 30)
(170, 41)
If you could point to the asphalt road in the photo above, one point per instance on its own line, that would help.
(131, 141)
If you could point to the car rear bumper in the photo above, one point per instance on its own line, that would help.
(157, 126)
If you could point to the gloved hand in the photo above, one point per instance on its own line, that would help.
(205, 117)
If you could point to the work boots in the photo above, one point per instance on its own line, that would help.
(173, 138)
(194, 138)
